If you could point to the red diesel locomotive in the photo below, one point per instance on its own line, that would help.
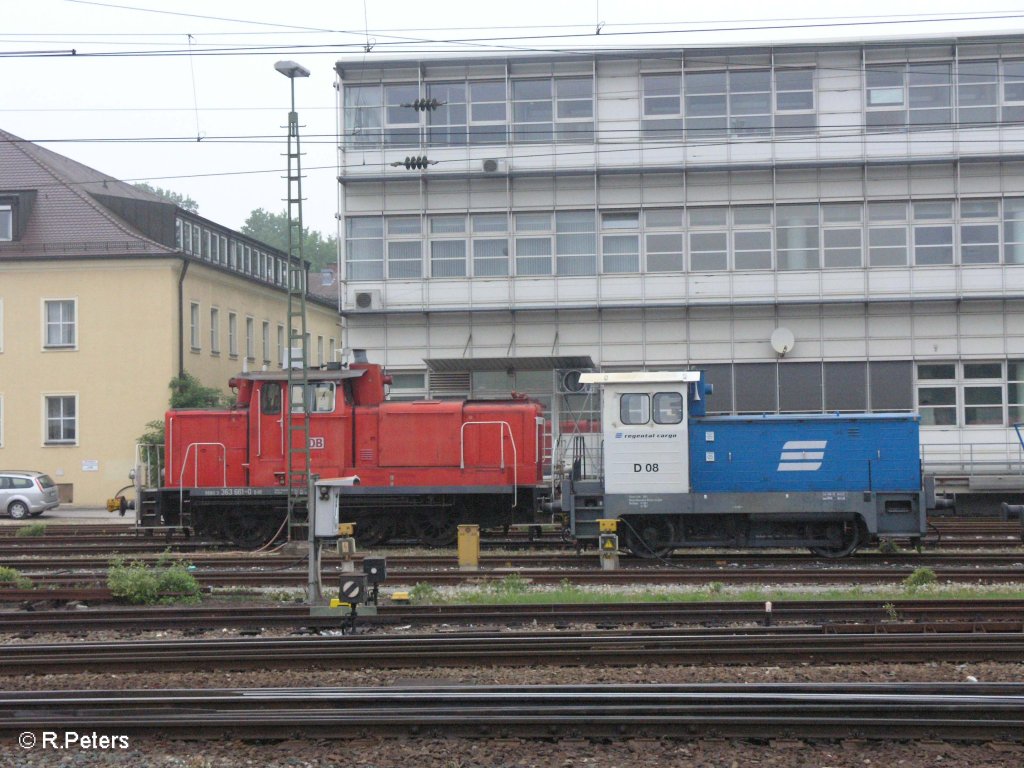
(424, 467)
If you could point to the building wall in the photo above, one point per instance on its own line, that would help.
(126, 353)
(118, 370)
(882, 221)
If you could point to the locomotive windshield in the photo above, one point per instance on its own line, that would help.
(319, 397)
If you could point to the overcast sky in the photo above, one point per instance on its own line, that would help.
(146, 82)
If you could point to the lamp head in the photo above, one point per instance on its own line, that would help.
(291, 69)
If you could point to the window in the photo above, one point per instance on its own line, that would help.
(752, 237)
(842, 239)
(709, 247)
(915, 95)
(979, 231)
(490, 244)
(635, 409)
(60, 323)
(319, 397)
(6, 222)
(405, 259)
(250, 338)
(270, 398)
(266, 341)
(197, 240)
(447, 123)
(1013, 91)
(280, 346)
(363, 115)
(621, 251)
(533, 250)
(559, 109)
(846, 386)
(1013, 231)
(487, 113)
(936, 394)
(365, 248)
(797, 236)
(232, 334)
(668, 408)
(887, 234)
(662, 106)
(401, 123)
(1014, 392)
(794, 101)
(320, 350)
(977, 93)
(447, 255)
(61, 419)
(983, 394)
(664, 248)
(214, 331)
(575, 243)
(933, 232)
(738, 103)
(194, 340)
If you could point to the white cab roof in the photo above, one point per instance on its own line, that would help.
(640, 377)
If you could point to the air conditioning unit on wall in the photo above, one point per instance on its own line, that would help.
(367, 300)
(494, 165)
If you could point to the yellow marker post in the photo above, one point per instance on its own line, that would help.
(608, 543)
(347, 546)
(469, 547)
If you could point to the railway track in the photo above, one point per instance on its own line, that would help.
(270, 576)
(510, 649)
(832, 616)
(948, 711)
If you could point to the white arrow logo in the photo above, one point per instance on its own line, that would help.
(802, 455)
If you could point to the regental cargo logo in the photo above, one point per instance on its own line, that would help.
(802, 455)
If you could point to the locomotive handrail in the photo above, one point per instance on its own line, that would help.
(515, 456)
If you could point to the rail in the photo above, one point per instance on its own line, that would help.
(501, 442)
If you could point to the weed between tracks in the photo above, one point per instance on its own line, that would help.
(166, 581)
(515, 589)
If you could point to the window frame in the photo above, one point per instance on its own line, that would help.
(62, 323)
(62, 418)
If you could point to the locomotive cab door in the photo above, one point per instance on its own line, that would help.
(268, 440)
(645, 418)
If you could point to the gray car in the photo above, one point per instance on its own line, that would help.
(24, 493)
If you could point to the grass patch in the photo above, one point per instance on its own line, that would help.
(32, 529)
(516, 590)
(12, 578)
(164, 582)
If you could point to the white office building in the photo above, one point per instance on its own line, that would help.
(862, 204)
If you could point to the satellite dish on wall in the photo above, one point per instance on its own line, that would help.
(782, 340)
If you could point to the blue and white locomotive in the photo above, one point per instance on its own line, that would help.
(676, 477)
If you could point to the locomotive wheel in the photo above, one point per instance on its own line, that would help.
(435, 529)
(849, 544)
(649, 537)
(244, 530)
(374, 530)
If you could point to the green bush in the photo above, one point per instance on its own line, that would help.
(141, 584)
(32, 529)
(921, 577)
(10, 577)
(888, 547)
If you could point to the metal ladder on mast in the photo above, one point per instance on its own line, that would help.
(297, 477)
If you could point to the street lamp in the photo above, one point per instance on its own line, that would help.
(298, 434)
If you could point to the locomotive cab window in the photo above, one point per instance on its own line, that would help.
(319, 396)
(270, 398)
(668, 408)
(635, 408)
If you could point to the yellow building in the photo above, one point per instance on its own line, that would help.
(106, 294)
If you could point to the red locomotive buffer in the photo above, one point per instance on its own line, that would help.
(424, 467)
